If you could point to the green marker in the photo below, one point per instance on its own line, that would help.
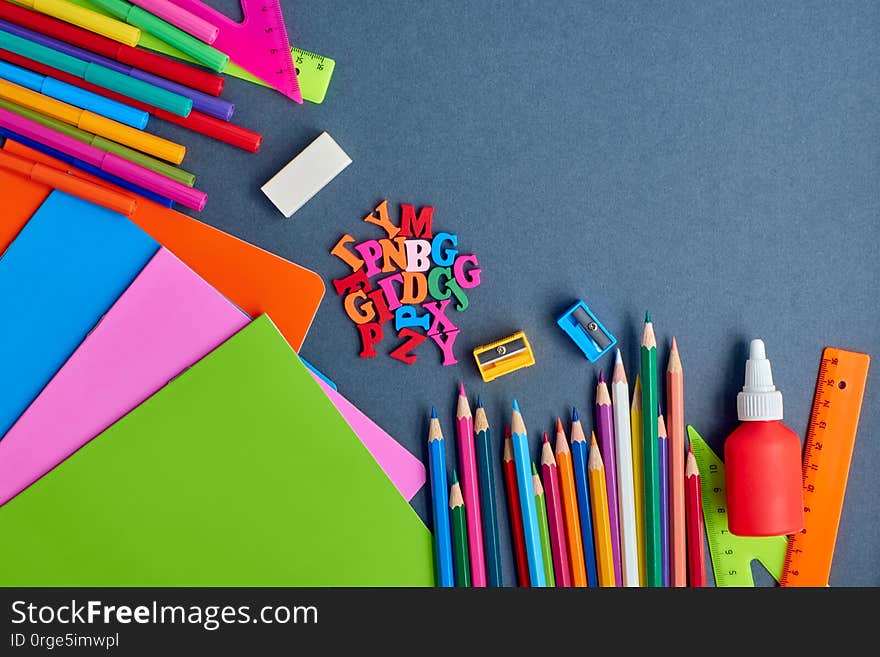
(543, 527)
(165, 31)
(732, 556)
(97, 74)
(137, 157)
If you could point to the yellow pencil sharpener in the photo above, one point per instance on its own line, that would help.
(504, 356)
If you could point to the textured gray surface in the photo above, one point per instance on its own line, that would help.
(717, 164)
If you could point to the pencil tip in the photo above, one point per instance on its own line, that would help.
(515, 407)
(674, 344)
(461, 391)
(601, 376)
(479, 402)
(545, 438)
(433, 413)
(454, 476)
(617, 357)
(574, 414)
(534, 469)
(558, 425)
(647, 317)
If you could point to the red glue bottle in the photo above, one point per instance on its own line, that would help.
(762, 458)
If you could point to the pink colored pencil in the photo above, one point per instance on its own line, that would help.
(467, 460)
(605, 434)
(181, 18)
(675, 426)
(555, 517)
(109, 162)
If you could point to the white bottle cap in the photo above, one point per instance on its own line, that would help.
(759, 399)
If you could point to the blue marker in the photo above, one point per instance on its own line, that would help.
(75, 96)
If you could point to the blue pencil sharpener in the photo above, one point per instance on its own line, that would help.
(588, 334)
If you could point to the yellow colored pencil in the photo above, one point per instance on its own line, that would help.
(635, 416)
(570, 508)
(601, 521)
(86, 19)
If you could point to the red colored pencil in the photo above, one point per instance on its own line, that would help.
(139, 58)
(196, 121)
(694, 521)
(517, 532)
(555, 517)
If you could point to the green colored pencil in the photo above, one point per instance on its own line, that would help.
(459, 534)
(650, 400)
(543, 527)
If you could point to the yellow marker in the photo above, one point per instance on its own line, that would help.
(635, 417)
(91, 122)
(601, 521)
(86, 19)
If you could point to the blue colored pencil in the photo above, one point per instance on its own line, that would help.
(534, 554)
(580, 452)
(663, 454)
(488, 499)
(440, 503)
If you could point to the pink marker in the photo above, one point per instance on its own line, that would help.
(467, 459)
(109, 162)
(180, 17)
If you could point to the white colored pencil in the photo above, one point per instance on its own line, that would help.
(629, 548)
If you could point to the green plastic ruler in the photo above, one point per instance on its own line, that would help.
(732, 556)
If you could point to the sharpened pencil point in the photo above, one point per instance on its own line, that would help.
(574, 415)
(558, 425)
(601, 376)
(454, 476)
(674, 344)
(461, 391)
(479, 402)
(515, 406)
(534, 469)
(647, 317)
(433, 413)
(545, 438)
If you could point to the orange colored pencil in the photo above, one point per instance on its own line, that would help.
(675, 426)
(601, 522)
(571, 514)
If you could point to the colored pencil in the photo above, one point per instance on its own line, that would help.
(605, 433)
(467, 461)
(180, 18)
(55, 49)
(209, 126)
(635, 417)
(187, 44)
(579, 457)
(601, 524)
(629, 549)
(520, 441)
(108, 162)
(46, 175)
(488, 499)
(457, 509)
(517, 536)
(170, 69)
(675, 411)
(158, 166)
(694, 512)
(650, 399)
(439, 503)
(100, 125)
(568, 493)
(87, 19)
(543, 527)
(663, 469)
(555, 515)
(101, 75)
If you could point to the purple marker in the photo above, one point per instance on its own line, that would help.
(216, 107)
(605, 437)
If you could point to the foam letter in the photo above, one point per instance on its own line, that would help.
(446, 341)
(371, 334)
(441, 258)
(359, 314)
(470, 278)
(442, 323)
(412, 226)
(451, 287)
(370, 251)
(382, 220)
(352, 282)
(413, 340)
(417, 252)
(393, 301)
(407, 316)
(415, 287)
(393, 251)
(381, 306)
(345, 255)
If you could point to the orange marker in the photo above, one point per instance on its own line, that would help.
(570, 508)
(675, 426)
(91, 122)
(67, 182)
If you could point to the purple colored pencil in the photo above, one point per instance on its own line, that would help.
(663, 454)
(605, 435)
(216, 107)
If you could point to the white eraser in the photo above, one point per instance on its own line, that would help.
(306, 174)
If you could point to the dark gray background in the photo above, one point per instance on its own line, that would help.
(714, 162)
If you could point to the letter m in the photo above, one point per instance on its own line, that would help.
(413, 226)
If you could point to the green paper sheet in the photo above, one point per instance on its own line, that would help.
(239, 472)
